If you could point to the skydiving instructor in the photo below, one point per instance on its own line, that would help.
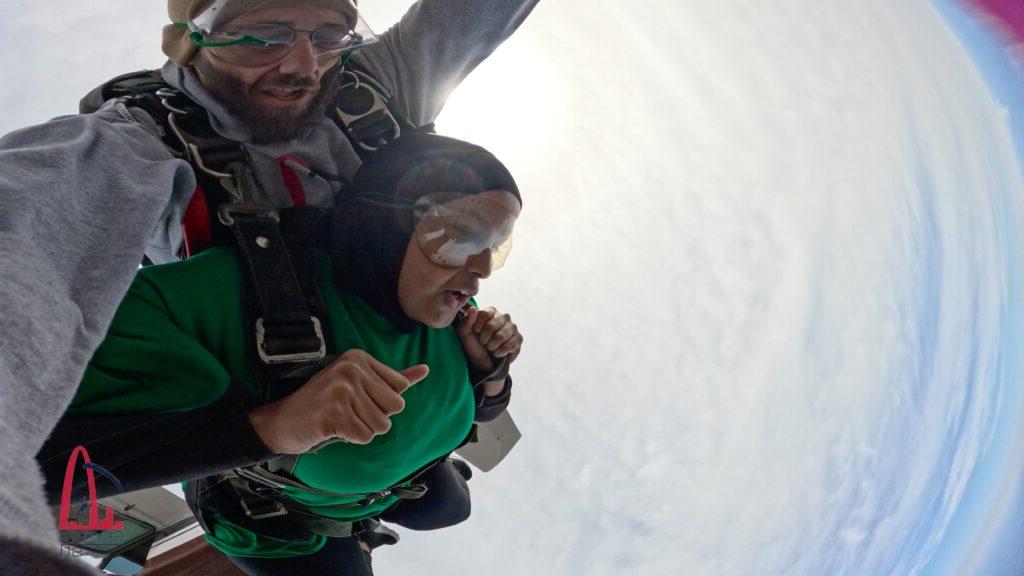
(83, 198)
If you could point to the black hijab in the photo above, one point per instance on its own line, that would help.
(368, 239)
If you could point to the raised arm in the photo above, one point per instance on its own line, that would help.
(436, 45)
(78, 198)
(488, 337)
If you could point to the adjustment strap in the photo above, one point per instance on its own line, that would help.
(259, 506)
(264, 477)
(285, 329)
(277, 483)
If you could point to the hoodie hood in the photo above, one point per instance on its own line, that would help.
(368, 241)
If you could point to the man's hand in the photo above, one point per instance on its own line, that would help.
(353, 398)
(488, 334)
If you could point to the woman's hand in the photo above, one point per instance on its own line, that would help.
(486, 335)
(353, 398)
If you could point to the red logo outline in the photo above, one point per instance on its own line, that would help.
(65, 523)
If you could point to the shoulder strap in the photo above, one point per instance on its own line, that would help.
(131, 84)
(185, 129)
(285, 330)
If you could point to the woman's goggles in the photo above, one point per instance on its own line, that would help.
(452, 228)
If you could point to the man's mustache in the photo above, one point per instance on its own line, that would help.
(289, 83)
(296, 82)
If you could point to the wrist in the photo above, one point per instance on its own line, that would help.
(260, 418)
(480, 369)
(494, 387)
(499, 373)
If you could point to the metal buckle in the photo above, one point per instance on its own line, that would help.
(191, 152)
(260, 512)
(412, 492)
(296, 357)
(373, 497)
(378, 106)
(226, 212)
(191, 148)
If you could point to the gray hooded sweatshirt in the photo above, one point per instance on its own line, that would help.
(83, 197)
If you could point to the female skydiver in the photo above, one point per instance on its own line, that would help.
(427, 219)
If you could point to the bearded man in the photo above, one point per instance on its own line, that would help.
(84, 198)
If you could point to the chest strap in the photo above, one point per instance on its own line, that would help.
(242, 505)
(285, 331)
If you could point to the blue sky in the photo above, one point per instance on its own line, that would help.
(986, 535)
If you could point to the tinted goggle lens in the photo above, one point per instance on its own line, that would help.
(453, 228)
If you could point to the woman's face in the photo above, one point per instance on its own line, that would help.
(433, 294)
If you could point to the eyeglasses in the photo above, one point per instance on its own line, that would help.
(264, 44)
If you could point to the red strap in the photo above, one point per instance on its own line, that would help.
(196, 224)
(291, 179)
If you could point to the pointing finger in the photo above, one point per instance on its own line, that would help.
(415, 373)
(392, 377)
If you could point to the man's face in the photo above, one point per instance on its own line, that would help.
(283, 100)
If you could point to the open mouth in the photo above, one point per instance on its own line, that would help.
(285, 94)
(456, 298)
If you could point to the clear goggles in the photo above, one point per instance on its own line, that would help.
(451, 228)
(264, 43)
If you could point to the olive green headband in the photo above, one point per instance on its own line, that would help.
(181, 49)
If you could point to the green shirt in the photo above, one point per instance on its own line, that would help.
(178, 340)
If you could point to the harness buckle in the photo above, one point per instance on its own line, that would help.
(260, 508)
(411, 492)
(364, 114)
(226, 212)
(261, 334)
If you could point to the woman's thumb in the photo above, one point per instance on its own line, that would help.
(416, 373)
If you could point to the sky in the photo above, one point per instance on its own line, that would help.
(768, 271)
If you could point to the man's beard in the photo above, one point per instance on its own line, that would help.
(268, 124)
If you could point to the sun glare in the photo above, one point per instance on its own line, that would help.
(506, 102)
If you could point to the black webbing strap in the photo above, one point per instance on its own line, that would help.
(245, 505)
(285, 329)
(275, 474)
(303, 229)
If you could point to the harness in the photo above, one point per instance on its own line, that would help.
(284, 311)
(363, 110)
